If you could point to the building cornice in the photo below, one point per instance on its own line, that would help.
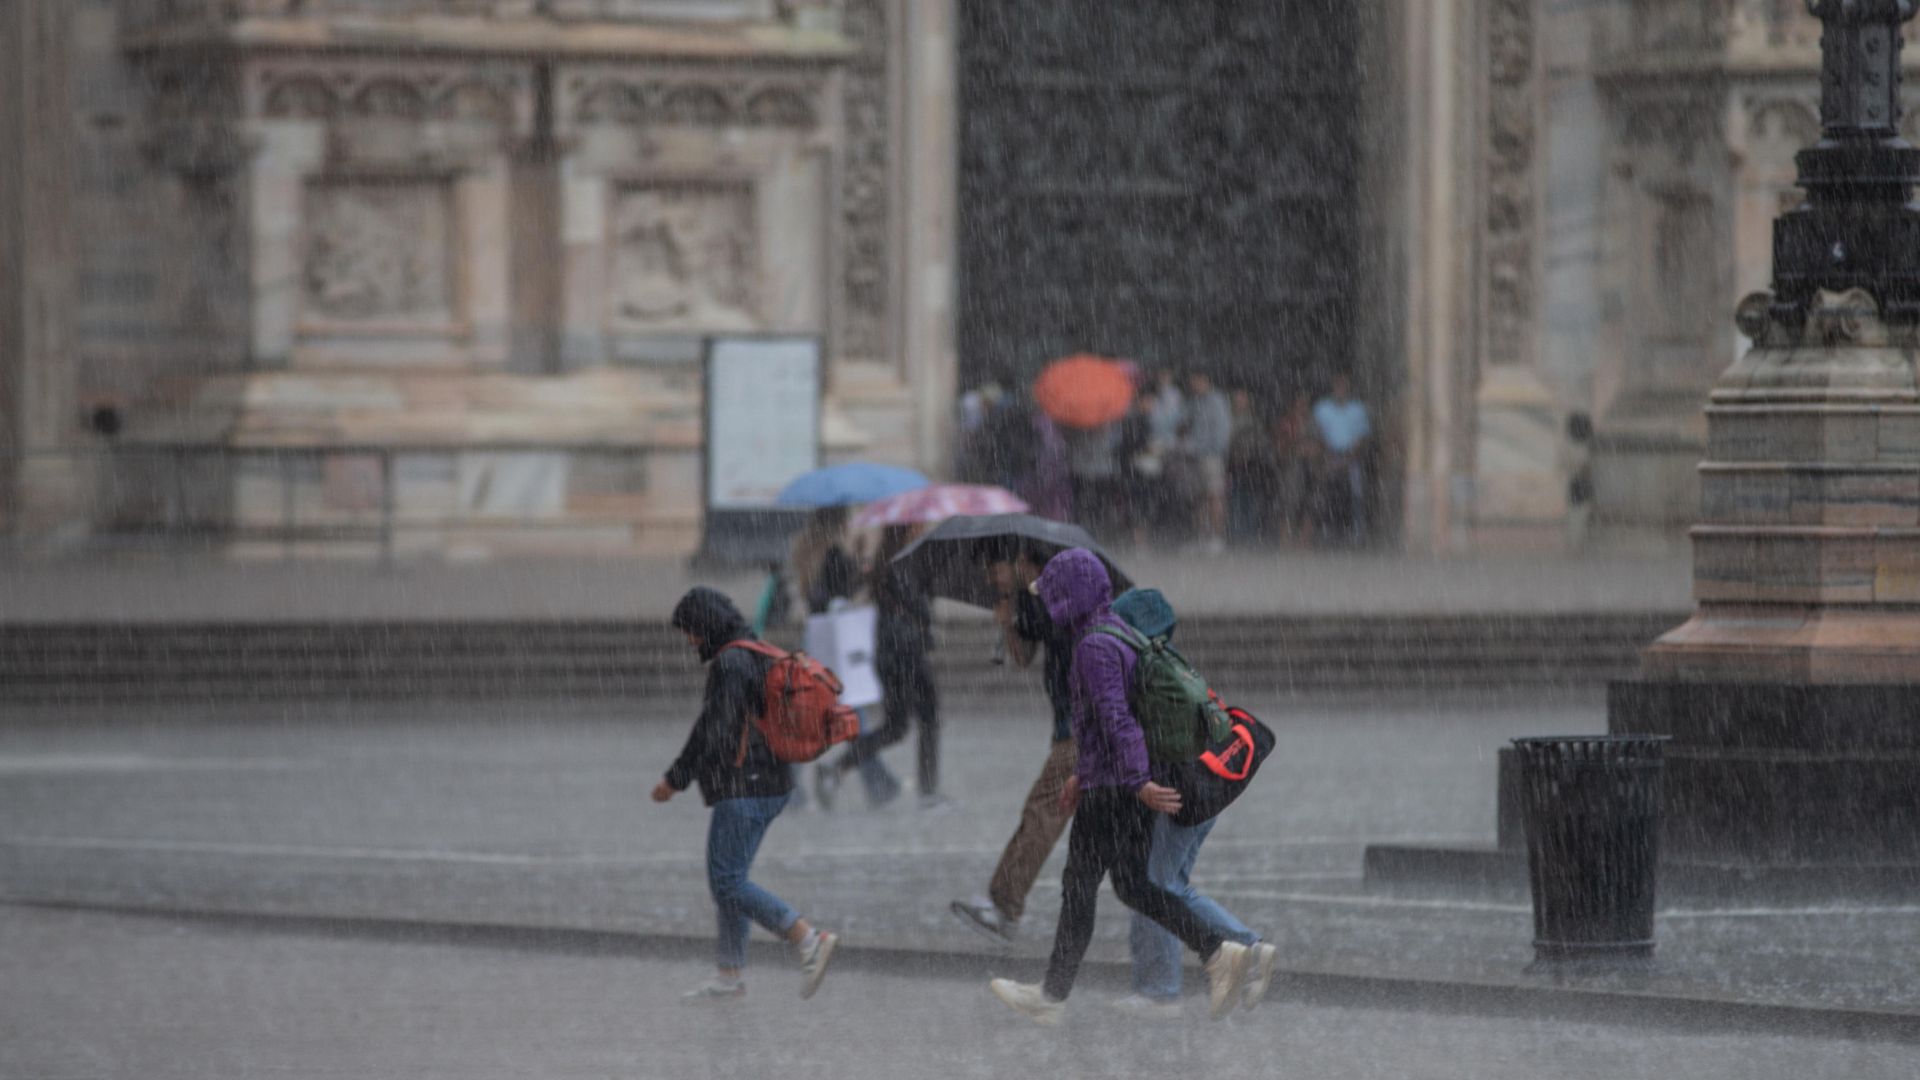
(757, 43)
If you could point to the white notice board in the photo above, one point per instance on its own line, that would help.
(763, 418)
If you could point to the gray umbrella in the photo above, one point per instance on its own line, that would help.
(951, 558)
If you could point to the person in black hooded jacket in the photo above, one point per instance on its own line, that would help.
(745, 793)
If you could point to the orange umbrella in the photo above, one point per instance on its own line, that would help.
(1084, 391)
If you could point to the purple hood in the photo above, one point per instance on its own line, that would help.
(1111, 750)
(1076, 589)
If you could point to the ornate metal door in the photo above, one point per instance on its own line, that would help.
(1171, 182)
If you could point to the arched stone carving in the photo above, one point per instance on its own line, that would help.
(1789, 120)
(695, 104)
(302, 97)
(391, 98)
(779, 106)
(611, 101)
(474, 100)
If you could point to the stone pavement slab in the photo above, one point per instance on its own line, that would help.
(135, 587)
(535, 817)
(221, 999)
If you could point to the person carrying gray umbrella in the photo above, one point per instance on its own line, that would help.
(1012, 566)
(992, 561)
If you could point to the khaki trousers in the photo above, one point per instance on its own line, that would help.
(1041, 824)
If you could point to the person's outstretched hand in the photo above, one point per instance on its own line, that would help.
(663, 791)
(1159, 798)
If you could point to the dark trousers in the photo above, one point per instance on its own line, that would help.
(1113, 833)
(906, 693)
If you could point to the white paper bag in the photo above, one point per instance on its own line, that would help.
(843, 640)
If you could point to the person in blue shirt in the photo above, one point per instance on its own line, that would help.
(1346, 434)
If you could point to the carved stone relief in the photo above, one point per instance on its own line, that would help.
(700, 102)
(317, 91)
(683, 257)
(378, 250)
(866, 191)
(1511, 212)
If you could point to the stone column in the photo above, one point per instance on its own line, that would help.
(1431, 42)
(37, 268)
(928, 150)
(1519, 477)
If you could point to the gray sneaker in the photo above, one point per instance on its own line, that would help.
(1226, 977)
(1142, 1007)
(1260, 964)
(715, 993)
(1030, 1000)
(982, 915)
(813, 961)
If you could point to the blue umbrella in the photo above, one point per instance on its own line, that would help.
(849, 485)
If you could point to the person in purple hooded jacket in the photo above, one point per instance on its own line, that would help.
(1117, 798)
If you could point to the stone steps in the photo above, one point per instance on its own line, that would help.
(589, 658)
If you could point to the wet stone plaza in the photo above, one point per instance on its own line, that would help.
(326, 888)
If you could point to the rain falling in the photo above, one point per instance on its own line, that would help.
(959, 538)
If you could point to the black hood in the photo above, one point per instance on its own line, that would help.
(708, 615)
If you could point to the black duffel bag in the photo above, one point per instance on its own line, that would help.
(1209, 783)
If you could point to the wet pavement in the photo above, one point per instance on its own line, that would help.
(119, 997)
(535, 816)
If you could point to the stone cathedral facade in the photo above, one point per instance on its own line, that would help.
(266, 261)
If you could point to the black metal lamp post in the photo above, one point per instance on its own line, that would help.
(1857, 228)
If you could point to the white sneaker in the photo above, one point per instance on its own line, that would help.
(1259, 972)
(1142, 1007)
(814, 954)
(715, 993)
(983, 915)
(1226, 976)
(1028, 998)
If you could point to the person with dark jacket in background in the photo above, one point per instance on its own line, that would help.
(827, 572)
(1138, 503)
(1028, 632)
(744, 791)
(903, 638)
(1115, 799)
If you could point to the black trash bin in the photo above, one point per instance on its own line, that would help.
(1592, 807)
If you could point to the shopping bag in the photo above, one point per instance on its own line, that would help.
(843, 640)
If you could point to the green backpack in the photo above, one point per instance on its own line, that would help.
(1177, 713)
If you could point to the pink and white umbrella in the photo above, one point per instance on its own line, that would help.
(938, 503)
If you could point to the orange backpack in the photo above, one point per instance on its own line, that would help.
(803, 715)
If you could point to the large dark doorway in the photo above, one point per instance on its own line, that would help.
(1169, 182)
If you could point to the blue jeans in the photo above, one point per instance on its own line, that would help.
(1156, 953)
(733, 837)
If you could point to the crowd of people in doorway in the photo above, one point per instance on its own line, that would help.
(1192, 464)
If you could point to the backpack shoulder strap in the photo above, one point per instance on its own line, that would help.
(761, 648)
(758, 648)
(1127, 635)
